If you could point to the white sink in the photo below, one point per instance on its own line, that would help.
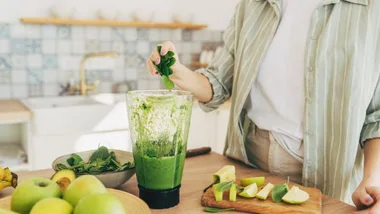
(78, 114)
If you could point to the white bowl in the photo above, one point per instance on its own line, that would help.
(109, 179)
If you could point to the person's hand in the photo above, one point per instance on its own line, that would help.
(367, 198)
(156, 57)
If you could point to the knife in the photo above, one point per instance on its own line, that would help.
(198, 151)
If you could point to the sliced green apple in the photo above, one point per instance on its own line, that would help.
(263, 194)
(226, 174)
(233, 192)
(218, 194)
(295, 196)
(249, 191)
(248, 181)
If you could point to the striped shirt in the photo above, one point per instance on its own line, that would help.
(342, 100)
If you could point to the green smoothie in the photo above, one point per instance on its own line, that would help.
(159, 173)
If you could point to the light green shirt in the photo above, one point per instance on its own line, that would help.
(342, 104)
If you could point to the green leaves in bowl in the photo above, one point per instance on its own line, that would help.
(100, 161)
(164, 68)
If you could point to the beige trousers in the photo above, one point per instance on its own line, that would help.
(264, 152)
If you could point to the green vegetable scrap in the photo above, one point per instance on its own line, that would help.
(217, 210)
(100, 161)
(279, 191)
(164, 68)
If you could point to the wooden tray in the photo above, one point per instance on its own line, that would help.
(254, 205)
(131, 203)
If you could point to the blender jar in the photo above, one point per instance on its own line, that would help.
(159, 124)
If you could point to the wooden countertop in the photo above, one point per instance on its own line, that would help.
(197, 175)
(13, 111)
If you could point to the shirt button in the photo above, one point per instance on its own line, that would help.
(314, 38)
(309, 68)
(308, 100)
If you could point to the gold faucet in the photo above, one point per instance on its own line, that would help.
(83, 87)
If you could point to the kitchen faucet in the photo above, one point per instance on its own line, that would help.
(83, 87)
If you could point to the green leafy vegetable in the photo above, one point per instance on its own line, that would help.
(224, 186)
(164, 68)
(217, 210)
(100, 161)
(279, 191)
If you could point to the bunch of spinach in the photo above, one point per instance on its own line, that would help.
(100, 161)
(164, 69)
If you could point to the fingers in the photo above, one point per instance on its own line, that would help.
(362, 199)
(374, 192)
(151, 67)
(155, 57)
(361, 212)
(167, 46)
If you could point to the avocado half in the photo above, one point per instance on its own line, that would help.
(65, 173)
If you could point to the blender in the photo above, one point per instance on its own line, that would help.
(159, 122)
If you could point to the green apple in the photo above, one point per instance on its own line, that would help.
(81, 187)
(232, 196)
(249, 191)
(6, 212)
(263, 194)
(248, 181)
(100, 204)
(295, 196)
(226, 174)
(217, 194)
(52, 205)
(32, 190)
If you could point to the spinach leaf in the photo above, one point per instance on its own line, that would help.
(224, 186)
(164, 68)
(217, 210)
(279, 191)
(74, 160)
(101, 153)
(61, 166)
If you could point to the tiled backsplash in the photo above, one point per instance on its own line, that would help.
(36, 59)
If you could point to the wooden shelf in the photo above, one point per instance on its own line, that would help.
(200, 65)
(54, 21)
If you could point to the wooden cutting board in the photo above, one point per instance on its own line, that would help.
(254, 205)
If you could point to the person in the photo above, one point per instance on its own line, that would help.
(302, 77)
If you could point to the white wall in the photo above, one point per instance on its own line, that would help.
(216, 13)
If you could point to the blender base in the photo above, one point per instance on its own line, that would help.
(160, 199)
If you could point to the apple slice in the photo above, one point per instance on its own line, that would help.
(233, 193)
(218, 194)
(263, 194)
(249, 191)
(226, 174)
(295, 196)
(248, 181)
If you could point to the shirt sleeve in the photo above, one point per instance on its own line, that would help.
(220, 71)
(371, 127)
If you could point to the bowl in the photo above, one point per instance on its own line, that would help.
(109, 179)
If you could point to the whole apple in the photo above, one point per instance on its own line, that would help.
(104, 203)
(6, 212)
(32, 190)
(52, 205)
(81, 187)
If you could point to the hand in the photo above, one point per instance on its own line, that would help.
(367, 198)
(156, 57)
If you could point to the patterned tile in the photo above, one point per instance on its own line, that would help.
(49, 47)
(33, 31)
(5, 91)
(19, 76)
(64, 47)
(186, 59)
(143, 84)
(4, 31)
(130, 34)
(134, 61)
(155, 84)
(177, 35)
(143, 34)
(50, 61)
(105, 34)
(35, 90)
(17, 31)
(119, 62)
(91, 33)
(67, 63)
(143, 47)
(19, 91)
(186, 47)
(105, 87)
(4, 46)
(34, 61)
(105, 46)
(78, 47)
(77, 32)
(49, 31)
(196, 47)
(49, 89)
(154, 35)
(130, 48)
(131, 74)
(50, 76)
(5, 62)
(166, 35)
(63, 32)
(5, 76)
(118, 75)
(92, 46)
(33, 46)
(18, 61)
(132, 85)
(117, 33)
(187, 35)
(217, 36)
(18, 46)
(143, 73)
(118, 46)
(35, 76)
